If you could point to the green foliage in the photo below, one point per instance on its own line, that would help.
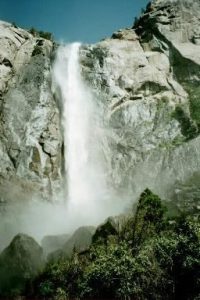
(186, 268)
(149, 217)
(37, 50)
(107, 273)
(136, 22)
(190, 124)
(194, 94)
(104, 232)
(149, 7)
(14, 25)
(151, 257)
(195, 109)
(114, 273)
(188, 128)
(42, 34)
(20, 262)
(59, 276)
(33, 31)
(46, 35)
(143, 11)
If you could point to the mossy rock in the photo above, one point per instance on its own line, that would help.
(21, 261)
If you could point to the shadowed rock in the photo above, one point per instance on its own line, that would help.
(19, 262)
(52, 243)
(80, 240)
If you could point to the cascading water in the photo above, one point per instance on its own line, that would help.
(87, 193)
(76, 115)
(88, 197)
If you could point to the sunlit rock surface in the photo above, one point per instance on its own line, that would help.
(147, 78)
(30, 144)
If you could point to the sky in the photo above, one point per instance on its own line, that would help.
(86, 21)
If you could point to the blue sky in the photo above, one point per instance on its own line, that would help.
(73, 20)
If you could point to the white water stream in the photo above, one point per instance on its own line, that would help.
(87, 193)
(88, 197)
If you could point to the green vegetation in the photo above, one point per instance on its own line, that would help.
(143, 11)
(194, 94)
(150, 256)
(19, 263)
(39, 43)
(14, 24)
(37, 50)
(42, 34)
(188, 127)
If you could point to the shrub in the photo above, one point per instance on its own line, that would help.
(46, 35)
(59, 276)
(188, 128)
(37, 50)
(186, 258)
(151, 258)
(116, 274)
(42, 34)
(149, 217)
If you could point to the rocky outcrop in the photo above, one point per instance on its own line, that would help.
(79, 241)
(52, 243)
(30, 144)
(147, 80)
(21, 261)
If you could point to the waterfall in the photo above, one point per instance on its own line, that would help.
(76, 116)
(89, 198)
(86, 187)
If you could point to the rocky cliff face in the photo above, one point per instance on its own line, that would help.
(147, 78)
(30, 144)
